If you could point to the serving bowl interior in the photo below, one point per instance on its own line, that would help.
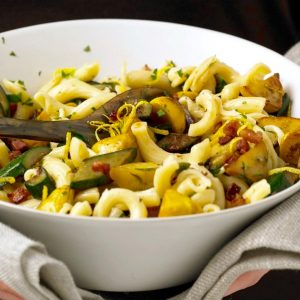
(133, 255)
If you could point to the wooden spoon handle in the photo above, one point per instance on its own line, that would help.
(46, 130)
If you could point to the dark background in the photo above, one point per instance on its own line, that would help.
(273, 24)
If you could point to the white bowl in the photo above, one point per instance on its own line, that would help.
(126, 255)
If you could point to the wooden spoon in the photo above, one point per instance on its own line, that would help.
(55, 131)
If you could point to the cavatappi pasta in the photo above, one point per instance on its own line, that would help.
(214, 139)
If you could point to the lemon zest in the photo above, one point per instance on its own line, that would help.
(233, 143)
(125, 115)
(8, 179)
(44, 193)
(159, 131)
(283, 169)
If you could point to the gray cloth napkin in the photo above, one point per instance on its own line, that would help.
(272, 242)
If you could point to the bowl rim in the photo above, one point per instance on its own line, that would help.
(290, 191)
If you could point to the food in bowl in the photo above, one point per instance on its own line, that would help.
(171, 141)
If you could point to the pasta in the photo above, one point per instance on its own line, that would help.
(211, 139)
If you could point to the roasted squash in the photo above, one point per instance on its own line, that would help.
(134, 176)
(169, 111)
(260, 82)
(176, 204)
(290, 148)
(286, 124)
(252, 165)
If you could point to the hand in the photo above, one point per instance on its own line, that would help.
(245, 280)
(7, 293)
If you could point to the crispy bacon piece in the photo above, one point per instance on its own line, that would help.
(232, 192)
(238, 201)
(230, 131)
(242, 146)
(18, 145)
(14, 154)
(18, 195)
(153, 211)
(99, 166)
(251, 136)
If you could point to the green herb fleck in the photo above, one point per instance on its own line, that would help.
(243, 115)
(14, 98)
(3, 39)
(21, 83)
(40, 73)
(215, 170)
(244, 102)
(28, 102)
(286, 100)
(154, 74)
(87, 49)
(180, 73)
(172, 64)
(78, 135)
(66, 74)
(12, 53)
(220, 84)
(160, 113)
(94, 108)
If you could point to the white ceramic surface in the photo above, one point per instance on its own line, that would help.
(126, 255)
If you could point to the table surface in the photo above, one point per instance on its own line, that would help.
(230, 16)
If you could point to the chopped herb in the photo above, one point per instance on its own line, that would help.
(263, 128)
(12, 53)
(172, 64)
(243, 166)
(243, 115)
(14, 98)
(28, 102)
(21, 82)
(139, 179)
(160, 113)
(182, 166)
(220, 84)
(154, 74)
(78, 135)
(180, 73)
(94, 108)
(244, 102)
(87, 49)
(285, 106)
(66, 74)
(40, 73)
(169, 65)
(215, 170)
(3, 40)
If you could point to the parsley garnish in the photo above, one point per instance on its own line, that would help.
(40, 73)
(87, 49)
(21, 82)
(160, 112)
(12, 53)
(154, 74)
(28, 102)
(215, 170)
(180, 73)
(220, 84)
(14, 98)
(94, 108)
(3, 39)
(17, 98)
(243, 115)
(66, 74)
